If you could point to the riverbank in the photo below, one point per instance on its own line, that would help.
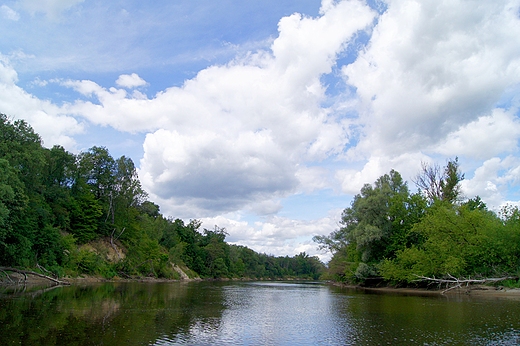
(472, 290)
(468, 291)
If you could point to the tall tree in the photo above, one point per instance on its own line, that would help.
(440, 184)
(375, 226)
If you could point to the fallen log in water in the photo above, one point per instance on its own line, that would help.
(452, 282)
(29, 272)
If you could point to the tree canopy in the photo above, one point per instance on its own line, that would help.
(88, 214)
(391, 234)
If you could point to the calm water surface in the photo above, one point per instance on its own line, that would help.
(249, 313)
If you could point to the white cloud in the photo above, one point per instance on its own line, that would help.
(9, 13)
(40, 114)
(276, 235)
(407, 164)
(130, 81)
(312, 178)
(235, 135)
(431, 67)
(214, 171)
(428, 85)
(493, 180)
(483, 138)
(265, 207)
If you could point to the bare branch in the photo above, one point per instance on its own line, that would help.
(457, 283)
(28, 272)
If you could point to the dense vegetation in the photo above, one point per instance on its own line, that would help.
(391, 234)
(87, 214)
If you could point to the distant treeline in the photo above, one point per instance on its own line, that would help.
(87, 214)
(400, 237)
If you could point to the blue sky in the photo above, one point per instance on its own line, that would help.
(267, 117)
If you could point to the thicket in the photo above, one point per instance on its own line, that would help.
(400, 237)
(88, 214)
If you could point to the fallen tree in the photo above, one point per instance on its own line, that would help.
(452, 282)
(5, 270)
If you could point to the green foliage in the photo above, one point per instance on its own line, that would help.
(86, 212)
(389, 233)
(375, 227)
(458, 241)
(66, 212)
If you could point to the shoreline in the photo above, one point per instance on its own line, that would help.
(468, 291)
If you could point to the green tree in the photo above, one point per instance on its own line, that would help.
(457, 241)
(440, 184)
(376, 226)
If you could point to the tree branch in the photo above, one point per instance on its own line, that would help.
(457, 282)
(28, 272)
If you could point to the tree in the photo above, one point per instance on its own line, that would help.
(13, 202)
(376, 226)
(440, 185)
(457, 241)
(98, 169)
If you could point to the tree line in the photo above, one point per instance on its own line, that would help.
(399, 237)
(88, 214)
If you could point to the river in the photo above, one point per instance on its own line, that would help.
(249, 313)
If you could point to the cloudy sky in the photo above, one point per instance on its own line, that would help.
(266, 117)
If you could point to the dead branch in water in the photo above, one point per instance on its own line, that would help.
(28, 272)
(452, 282)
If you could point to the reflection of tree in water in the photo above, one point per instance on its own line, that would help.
(382, 318)
(107, 314)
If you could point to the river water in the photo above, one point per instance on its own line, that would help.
(249, 313)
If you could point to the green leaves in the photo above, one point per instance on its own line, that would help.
(54, 206)
(388, 232)
(458, 241)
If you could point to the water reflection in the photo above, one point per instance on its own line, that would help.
(254, 313)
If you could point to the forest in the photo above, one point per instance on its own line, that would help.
(392, 236)
(70, 215)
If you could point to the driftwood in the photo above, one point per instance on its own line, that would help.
(28, 272)
(452, 282)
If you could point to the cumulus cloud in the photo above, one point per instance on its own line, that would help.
(408, 164)
(235, 135)
(428, 84)
(492, 180)
(277, 235)
(431, 67)
(484, 137)
(213, 171)
(130, 81)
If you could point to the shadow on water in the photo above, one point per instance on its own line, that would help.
(248, 313)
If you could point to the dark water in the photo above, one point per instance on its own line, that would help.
(253, 313)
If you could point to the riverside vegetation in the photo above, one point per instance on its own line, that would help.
(69, 215)
(395, 237)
